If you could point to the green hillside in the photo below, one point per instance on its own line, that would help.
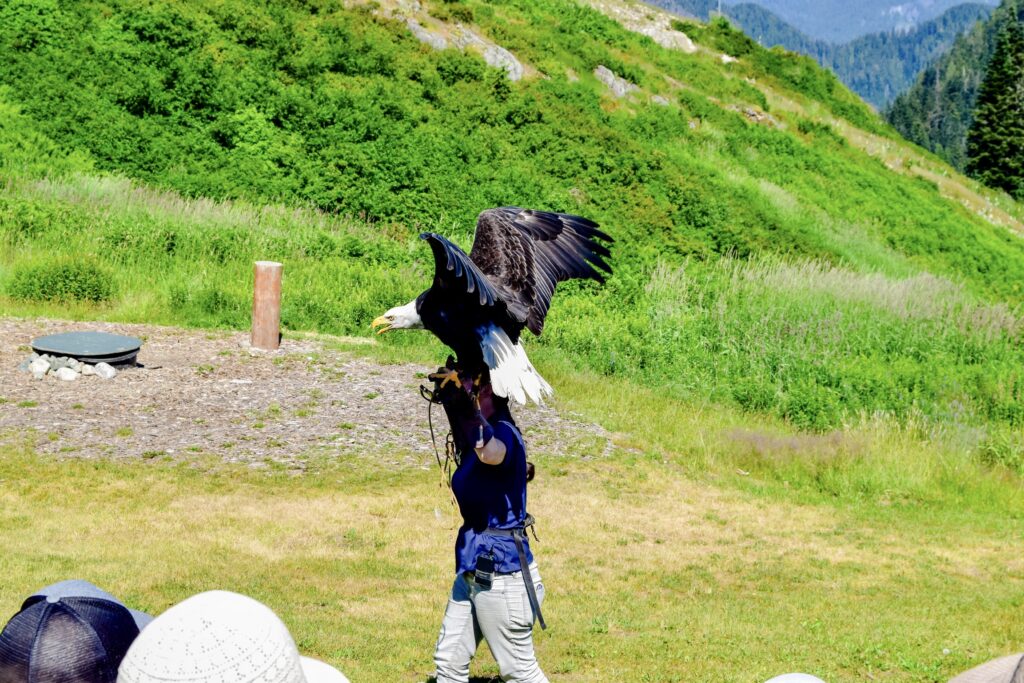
(779, 250)
(937, 111)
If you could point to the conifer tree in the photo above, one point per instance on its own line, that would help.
(995, 143)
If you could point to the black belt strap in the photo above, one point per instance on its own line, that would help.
(517, 535)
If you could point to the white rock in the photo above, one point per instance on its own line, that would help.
(500, 58)
(619, 86)
(655, 25)
(38, 374)
(425, 35)
(671, 39)
(39, 365)
(88, 369)
(67, 374)
(105, 371)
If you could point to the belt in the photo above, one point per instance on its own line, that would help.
(518, 534)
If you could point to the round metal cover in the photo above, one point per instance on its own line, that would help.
(110, 360)
(89, 346)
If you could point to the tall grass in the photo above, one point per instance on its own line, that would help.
(189, 262)
(816, 344)
(915, 462)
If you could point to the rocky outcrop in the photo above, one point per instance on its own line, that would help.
(618, 86)
(441, 36)
(424, 35)
(495, 55)
(643, 19)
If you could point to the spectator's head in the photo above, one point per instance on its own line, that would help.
(66, 640)
(220, 636)
(77, 588)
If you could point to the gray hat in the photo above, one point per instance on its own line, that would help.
(77, 588)
(1003, 670)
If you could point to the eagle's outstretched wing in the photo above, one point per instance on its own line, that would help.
(455, 271)
(525, 253)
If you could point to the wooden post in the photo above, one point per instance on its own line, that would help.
(266, 306)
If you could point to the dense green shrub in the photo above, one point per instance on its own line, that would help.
(719, 34)
(1004, 448)
(62, 280)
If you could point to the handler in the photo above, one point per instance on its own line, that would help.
(492, 597)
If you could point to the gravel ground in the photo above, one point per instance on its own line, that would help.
(197, 392)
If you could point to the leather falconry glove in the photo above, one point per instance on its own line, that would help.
(469, 427)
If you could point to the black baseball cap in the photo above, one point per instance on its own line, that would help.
(79, 588)
(66, 640)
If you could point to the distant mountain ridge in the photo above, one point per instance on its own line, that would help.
(937, 111)
(832, 21)
(841, 21)
(878, 66)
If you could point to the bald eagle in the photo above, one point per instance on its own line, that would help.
(479, 303)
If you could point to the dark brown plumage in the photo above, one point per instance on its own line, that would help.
(529, 252)
(480, 302)
(517, 259)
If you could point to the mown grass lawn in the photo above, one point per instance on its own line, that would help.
(653, 574)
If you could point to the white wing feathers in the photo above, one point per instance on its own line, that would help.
(512, 373)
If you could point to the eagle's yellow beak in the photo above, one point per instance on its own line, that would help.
(381, 321)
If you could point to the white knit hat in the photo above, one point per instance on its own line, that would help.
(220, 637)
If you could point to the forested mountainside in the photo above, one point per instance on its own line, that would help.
(937, 111)
(841, 21)
(877, 66)
(778, 247)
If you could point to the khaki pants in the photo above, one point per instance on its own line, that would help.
(500, 615)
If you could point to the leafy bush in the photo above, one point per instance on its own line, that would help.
(62, 280)
(720, 34)
(1004, 448)
(27, 25)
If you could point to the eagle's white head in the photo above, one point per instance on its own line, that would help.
(399, 318)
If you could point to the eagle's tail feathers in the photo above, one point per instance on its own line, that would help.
(512, 374)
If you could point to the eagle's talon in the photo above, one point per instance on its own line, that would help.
(446, 377)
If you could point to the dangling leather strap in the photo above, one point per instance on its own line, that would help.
(517, 535)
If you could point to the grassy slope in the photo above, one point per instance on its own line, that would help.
(651, 576)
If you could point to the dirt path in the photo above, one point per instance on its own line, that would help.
(199, 392)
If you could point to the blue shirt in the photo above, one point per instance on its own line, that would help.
(492, 496)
